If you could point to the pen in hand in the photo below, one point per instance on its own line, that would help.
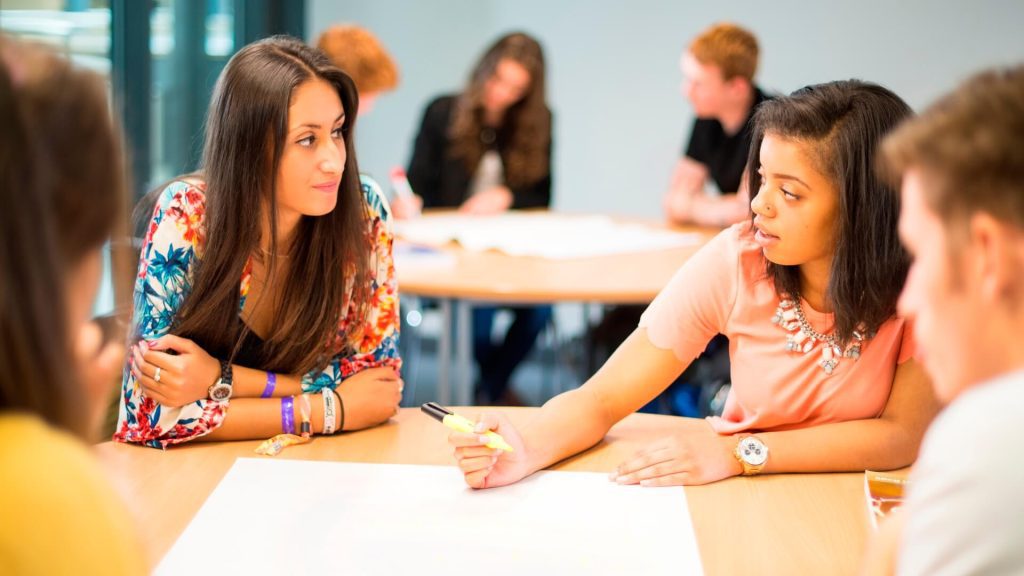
(463, 424)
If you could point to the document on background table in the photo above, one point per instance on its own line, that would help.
(554, 236)
(302, 517)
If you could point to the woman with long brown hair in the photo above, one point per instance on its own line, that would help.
(823, 375)
(484, 151)
(265, 300)
(62, 191)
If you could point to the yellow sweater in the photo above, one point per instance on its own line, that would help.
(58, 513)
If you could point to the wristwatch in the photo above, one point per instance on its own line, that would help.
(752, 454)
(221, 389)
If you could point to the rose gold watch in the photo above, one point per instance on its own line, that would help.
(752, 454)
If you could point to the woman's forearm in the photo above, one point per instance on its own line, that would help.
(576, 420)
(567, 424)
(259, 418)
(884, 443)
(876, 444)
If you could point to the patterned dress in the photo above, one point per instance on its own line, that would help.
(175, 238)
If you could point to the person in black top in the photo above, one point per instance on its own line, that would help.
(484, 151)
(718, 69)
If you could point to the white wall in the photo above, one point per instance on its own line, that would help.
(613, 79)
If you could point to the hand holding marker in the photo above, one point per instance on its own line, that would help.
(400, 184)
(463, 424)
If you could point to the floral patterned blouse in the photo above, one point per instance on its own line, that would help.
(175, 238)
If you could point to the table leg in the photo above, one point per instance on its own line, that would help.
(588, 344)
(463, 353)
(444, 353)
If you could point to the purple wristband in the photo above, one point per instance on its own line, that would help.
(288, 414)
(271, 383)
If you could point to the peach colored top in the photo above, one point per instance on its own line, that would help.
(724, 289)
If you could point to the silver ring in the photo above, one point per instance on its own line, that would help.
(156, 377)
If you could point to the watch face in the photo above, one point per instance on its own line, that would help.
(220, 391)
(753, 451)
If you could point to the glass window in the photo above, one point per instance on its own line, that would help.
(78, 29)
(190, 42)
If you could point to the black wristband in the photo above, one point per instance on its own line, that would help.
(341, 411)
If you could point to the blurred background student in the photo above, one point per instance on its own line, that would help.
(484, 151)
(62, 189)
(718, 79)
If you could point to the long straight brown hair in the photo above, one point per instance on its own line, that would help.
(844, 123)
(62, 179)
(330, 256)
(528, 121)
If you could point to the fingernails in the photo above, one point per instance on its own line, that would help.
(622, 480)
(480, 427)
(143, 345)
(646, 482)
(483, 439)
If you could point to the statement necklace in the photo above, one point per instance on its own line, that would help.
(803, 338)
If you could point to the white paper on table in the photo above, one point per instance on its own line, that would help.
(301, 517)
(545, 235)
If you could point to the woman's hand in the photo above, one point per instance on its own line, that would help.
(695, 455)
(406, 207)
(484, 467)
(491, 201)
(678, 205)
(99, 368)
(370, 397)
(183, 377)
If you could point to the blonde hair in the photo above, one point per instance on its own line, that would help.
(360, 55)
(730, 47)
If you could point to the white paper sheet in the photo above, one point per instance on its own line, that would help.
(297, 517)
(544, 235)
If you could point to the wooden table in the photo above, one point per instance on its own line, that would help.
(494, 277)
(773, 524)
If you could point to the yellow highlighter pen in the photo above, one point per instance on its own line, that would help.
(463, 424)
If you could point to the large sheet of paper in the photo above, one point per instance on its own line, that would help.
(543, 235)
(298, 517)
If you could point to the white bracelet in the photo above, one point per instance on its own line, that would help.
(328, 397)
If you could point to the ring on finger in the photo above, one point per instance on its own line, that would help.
(156, 377)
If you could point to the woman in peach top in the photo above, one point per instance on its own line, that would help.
(822, 375)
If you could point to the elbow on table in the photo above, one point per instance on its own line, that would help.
(899, 450)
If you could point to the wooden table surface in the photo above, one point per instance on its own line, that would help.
(633, 278)
(772, 524)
